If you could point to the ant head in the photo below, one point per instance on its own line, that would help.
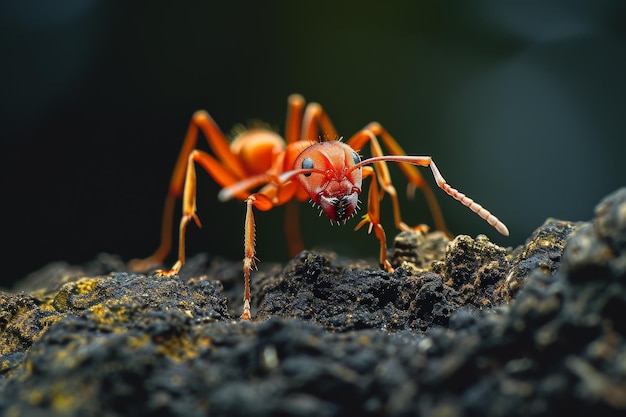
(332, 184)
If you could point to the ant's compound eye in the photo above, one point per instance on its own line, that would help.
(356, 158)
(307, 163)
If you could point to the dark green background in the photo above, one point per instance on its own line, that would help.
(521, 104)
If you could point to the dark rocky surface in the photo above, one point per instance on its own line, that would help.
(462, 327)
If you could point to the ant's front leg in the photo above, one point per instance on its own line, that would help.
(276, 190)
(373, 218)
(263, 203)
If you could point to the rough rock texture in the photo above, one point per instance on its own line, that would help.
(462, 327)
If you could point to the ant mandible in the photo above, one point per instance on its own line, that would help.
(306, 165)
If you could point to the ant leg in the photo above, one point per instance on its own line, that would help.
(277, 190)
(316, 124)
(189, 212)
(261, 202)
(293, 127)
(373, 218)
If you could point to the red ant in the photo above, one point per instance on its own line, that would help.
(330, 173)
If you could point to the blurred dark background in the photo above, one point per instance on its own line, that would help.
(521, 104)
